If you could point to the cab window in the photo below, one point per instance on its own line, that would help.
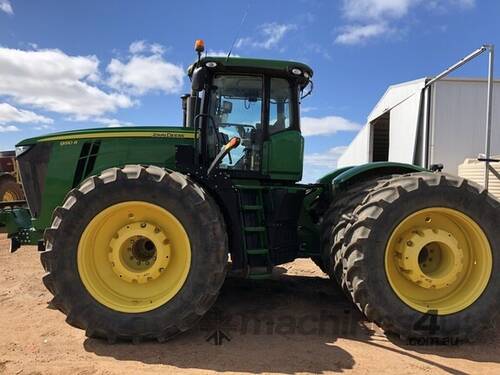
(236, 107)
(280, 110)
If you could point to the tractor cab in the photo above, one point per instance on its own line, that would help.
(254, 103)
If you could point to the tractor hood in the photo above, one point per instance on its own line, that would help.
(125, 132)
(53, 164)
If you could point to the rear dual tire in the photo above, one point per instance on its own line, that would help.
(334, 225)
(135, 254)
(385, 248)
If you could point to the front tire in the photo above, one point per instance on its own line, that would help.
(135, 253)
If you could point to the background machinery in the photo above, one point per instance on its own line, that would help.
(10, 188)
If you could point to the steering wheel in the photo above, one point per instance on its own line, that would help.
(242, 129)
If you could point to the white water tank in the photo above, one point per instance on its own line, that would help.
(473, 169)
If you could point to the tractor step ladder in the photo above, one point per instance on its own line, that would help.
(257, 251)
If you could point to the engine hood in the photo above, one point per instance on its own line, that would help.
(125, 132)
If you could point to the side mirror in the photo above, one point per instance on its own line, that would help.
(198, 79)
(227, 107)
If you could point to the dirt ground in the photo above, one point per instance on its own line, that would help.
(297, 322)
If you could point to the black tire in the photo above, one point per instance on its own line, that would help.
(9, 185)
(364, 250)
(188, 202)
(335, 222)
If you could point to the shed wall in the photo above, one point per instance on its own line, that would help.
(458, 121)
(358, 151)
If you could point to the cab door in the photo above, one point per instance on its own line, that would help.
(283, 150)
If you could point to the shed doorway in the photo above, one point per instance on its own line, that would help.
(379, 147)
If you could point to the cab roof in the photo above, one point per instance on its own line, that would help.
(251, 63)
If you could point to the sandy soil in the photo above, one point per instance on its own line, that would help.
(297, 322)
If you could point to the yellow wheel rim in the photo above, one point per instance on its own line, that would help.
(438, 259)
(8, 196)
(134, 257)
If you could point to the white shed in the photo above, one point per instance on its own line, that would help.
(456, 113)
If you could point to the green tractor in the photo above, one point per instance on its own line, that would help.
(136, 225)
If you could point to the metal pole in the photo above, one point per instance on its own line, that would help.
(489, 100)
(465, 60)
(426, 121)
(425, 135)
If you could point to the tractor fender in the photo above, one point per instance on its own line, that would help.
(349, 175)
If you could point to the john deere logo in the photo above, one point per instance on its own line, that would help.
(171, 135)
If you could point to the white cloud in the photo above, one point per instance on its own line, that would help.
(372, 18)
(44, 127)
(376, 9)
(145, 73)
(8, 129)
(355, 34)
(318, 164)
(308, 109)
(142, 73)
(270, 35)
(325, 159)
(319, 49)
(215, 53)
(75, 86)
(6, 7)
(359, 10)
(56, 82)
(141, 46)
(466, 3)
(443, 5)
(156, 49)
(9, 113)
(137, 47)
(326, 125)
(111, 122)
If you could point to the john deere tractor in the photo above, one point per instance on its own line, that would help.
(135, 225)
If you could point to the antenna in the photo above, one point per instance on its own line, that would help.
(238, 30)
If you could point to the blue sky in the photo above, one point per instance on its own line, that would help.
(81, 64)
